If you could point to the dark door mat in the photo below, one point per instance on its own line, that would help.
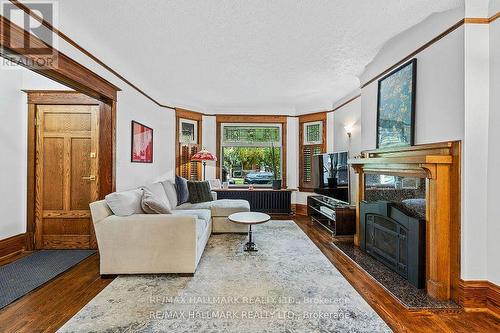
(26, 274)
(410, 296)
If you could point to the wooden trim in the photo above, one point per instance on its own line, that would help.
(415, 52)
(480, 294)
(261, 119)
(303, 187)
(221, 118)
(476, 20)
(12, 246)
(345, 103)
(65, 70)
(299, 209)
(70, 41)
(190, 115)
(494, 17)
(59, 97)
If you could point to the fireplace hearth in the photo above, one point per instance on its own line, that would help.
(395, 239)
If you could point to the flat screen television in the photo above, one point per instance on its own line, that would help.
(330, 175)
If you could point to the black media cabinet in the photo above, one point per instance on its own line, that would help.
(336, 216)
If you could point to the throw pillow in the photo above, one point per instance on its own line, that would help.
(199, 191)
(159, 193)
(171, 192)
(182, 190)
(125, 203)
(151, 204)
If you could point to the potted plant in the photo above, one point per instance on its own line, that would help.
(332, 171)
(276, 181)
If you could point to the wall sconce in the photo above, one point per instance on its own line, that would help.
(348, 130)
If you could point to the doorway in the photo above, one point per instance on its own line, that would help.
(65, 161)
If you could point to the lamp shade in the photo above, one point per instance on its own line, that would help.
(203, 155)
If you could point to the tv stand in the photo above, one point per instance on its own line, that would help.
(336, 216)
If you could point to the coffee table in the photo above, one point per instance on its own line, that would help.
(249, 218)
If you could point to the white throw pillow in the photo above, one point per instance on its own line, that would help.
(125, 203)
(151, 204)
(171, 192)
(159, 193)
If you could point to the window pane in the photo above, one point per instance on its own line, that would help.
(307, 154)
(251, 165)
(251, 135)
(313, 132)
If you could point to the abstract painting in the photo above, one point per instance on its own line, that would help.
(396, 107)
(142, 143)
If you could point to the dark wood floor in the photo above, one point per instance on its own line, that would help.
(49, 307)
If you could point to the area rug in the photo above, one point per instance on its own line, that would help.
(287, 286)
(26, 274)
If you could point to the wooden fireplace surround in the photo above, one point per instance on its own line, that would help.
(439, 164)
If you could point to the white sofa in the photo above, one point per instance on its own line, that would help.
(161, 243)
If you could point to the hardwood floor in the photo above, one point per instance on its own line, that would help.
(49, 307)
(395, 314)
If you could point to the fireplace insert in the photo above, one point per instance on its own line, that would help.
(394, 238)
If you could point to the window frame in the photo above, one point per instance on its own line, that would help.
(258, 120)
(257, 145)
(312, 123)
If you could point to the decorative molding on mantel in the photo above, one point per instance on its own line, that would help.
(439, 164)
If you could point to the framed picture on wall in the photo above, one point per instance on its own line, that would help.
(396, 107)
(188, 131)
(142, 143)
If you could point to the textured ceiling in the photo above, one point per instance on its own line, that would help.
(255, 56)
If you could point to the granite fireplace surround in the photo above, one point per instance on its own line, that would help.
(434, 199)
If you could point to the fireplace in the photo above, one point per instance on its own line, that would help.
(394, 238)
(437, 165)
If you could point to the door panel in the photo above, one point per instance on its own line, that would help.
(66, 175)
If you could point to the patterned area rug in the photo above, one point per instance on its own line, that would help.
(287, 286)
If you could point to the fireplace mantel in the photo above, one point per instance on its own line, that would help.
(439, 164)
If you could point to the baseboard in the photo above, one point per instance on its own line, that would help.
(480, 294)
(12, 245)
(300, 209)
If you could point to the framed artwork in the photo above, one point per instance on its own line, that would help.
(142, 143)
(188, 133)
(396, 107)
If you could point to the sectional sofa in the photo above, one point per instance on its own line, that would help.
(138, 243)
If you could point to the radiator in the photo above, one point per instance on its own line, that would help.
(270, 202)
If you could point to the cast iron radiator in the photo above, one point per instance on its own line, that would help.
(264, 201)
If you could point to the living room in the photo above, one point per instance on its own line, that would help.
(269, 166)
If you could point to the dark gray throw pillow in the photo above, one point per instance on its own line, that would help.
(199, 191)
(182, 190)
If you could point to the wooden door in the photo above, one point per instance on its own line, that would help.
(66, 175)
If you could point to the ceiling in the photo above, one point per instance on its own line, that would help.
(248, 56)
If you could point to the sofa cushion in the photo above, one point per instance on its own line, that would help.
(158, 191)
(199, 191)
(125, 203)
(224, 207)
(203, 214)
(152, 204)
(171, 192)
(201, 227)
(182, 190)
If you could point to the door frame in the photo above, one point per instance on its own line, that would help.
(106, 165)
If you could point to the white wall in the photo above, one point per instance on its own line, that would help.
(209, 141)
(439, 114)
(348, 115)
(13, 145)
(493, 223)
(475, 153)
